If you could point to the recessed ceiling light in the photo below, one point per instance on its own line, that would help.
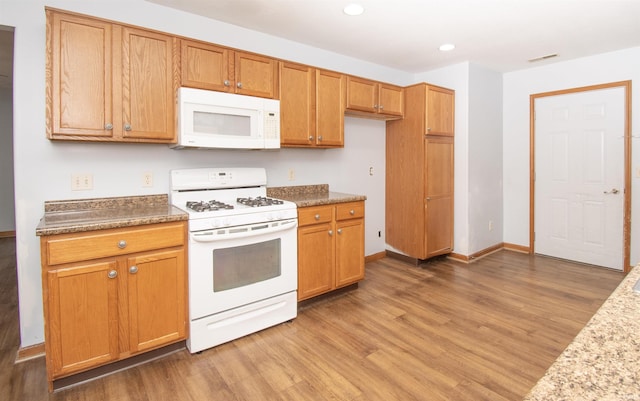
(353, 9)
(447, 47)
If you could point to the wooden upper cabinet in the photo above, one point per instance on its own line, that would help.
(311, 107)
(330, 89)
(79, 83)
(297, 105)
(440, 107)
(204, 66)
(375, 99)
(107, 82)
(207, 66)
(148, 92)
(256, 75)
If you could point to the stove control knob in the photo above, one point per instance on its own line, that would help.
(214, 223)
(226, 222)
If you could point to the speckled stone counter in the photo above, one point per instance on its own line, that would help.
(603, 361)
(312, 195)
(69, 216)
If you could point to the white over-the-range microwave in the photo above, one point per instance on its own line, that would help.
(209, 119)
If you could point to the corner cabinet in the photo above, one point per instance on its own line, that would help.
(311, 107)
(374, 99)
(207, 66)
(111, 294)
(330, 247)
(420, 174)
(108, 82)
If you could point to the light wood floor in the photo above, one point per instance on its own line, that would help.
(442, 331)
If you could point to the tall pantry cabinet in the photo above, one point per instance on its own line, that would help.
(419, 168)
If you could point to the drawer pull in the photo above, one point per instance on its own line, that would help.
(122, 244)
(352, 212)
(330, 233)
(133, 269)
(112, 274)
(317, 217)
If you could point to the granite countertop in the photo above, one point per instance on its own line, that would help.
(603, 361)
(69, 216)
(312, 195)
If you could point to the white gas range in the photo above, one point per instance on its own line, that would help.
(242, 253)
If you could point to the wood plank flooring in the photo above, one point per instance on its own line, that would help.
(441, 331)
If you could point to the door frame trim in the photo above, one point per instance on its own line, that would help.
(626, 226)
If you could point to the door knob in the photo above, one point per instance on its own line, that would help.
(612, 192)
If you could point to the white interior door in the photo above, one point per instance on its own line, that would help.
(579, 176)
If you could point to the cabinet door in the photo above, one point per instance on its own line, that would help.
(440, 106)
(439, 196)
(297, 105)
(316, 255)
(362, 94)
(82, 321)
(79, 82)
(205, 66)
(391, 100)
(148, 90)
(156, 290)
(256, 75)
(349, 251)
(330, 108)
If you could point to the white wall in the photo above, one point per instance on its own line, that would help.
(610, 67)
(7, 205)
(485, 158)
(43, 168)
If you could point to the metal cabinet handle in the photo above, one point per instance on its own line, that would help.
(612, 192)
(317, 217)
(428, 198)
(112, 274)
(127, 127)
(311, 137)
(330, 232)
(108, 126)
(122, 244)
(320, 138)
(339, 230)
(226, 82)
(239, 85)
(352, 212)
(133, 269)
(375, 106)
(428, 129)
(381, 107)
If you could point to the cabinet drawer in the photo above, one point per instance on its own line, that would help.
(67, 248)
(346, 211)
(315, 215)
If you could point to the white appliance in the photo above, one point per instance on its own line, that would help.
(209, 119)
(243, 253)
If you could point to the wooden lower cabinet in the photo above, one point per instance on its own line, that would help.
(330, 247)
(109, 308)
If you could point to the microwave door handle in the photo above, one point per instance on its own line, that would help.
(205, 237)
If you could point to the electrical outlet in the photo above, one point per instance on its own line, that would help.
(81, 182)
(147, 179)
(292, 174)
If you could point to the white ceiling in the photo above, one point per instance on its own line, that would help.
(405, 34)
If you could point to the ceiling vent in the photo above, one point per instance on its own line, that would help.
(533, 60)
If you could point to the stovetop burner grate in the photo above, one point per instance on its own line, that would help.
(212, 205)
(259, 201)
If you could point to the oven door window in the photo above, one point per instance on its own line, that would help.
(240, 266)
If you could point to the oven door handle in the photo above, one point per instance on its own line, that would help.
(244, 232)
